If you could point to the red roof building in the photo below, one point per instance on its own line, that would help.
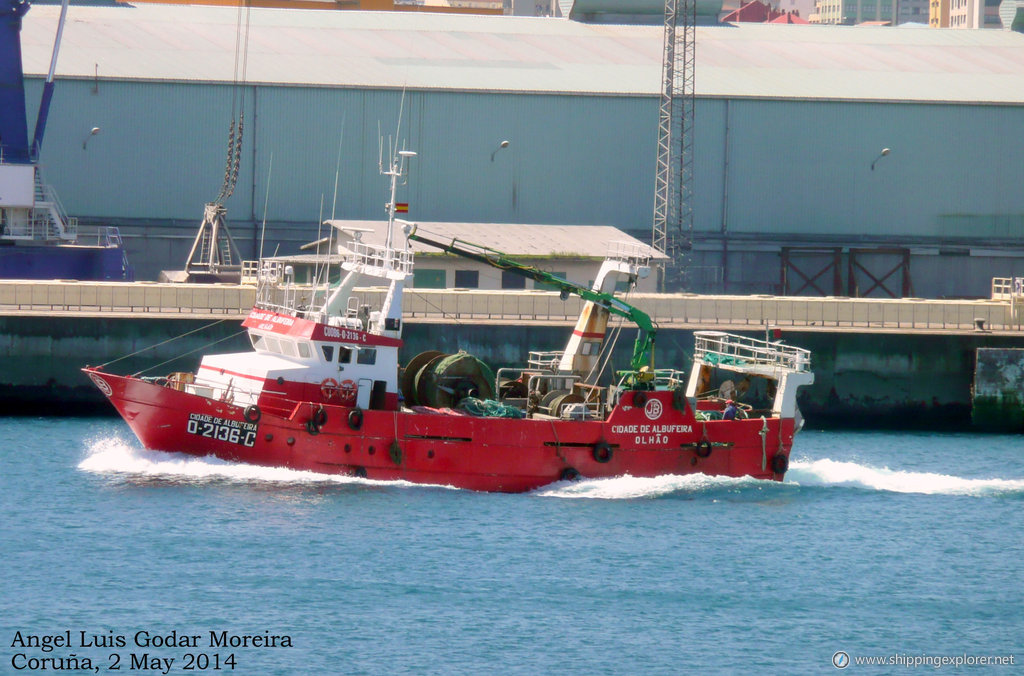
(754, 11)
(790, 17)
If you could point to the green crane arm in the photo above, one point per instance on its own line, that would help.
(643, 348)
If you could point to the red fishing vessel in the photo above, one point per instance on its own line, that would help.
(323, 390)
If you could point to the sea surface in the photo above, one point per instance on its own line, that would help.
(900, 546)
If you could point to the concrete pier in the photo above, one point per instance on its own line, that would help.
(998, 391)
(878, 363)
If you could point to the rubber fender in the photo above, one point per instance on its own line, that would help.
(780, 463)
(320, 417)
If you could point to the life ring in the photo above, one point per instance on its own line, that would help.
(320, 417)
(312, 427)
(252, 413)
(347, 391)
(639, 399)
(703, 448)
(780, 463)
(328, 388)
(355, 418)
(602, 451)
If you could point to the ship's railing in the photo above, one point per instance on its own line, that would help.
(544, 360)
(104, 235)
(669, 379)
(382, 258)
(635, 253)
(52, 218)
(727, 349)
(250, 273)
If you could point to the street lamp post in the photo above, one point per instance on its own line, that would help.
(885, 151)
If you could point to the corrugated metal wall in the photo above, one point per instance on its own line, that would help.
(766, 171)
(161, 153)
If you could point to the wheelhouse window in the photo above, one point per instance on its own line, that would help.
(257, 341)
(288, 348)
(328, 351)
(344, 355)
(273, 345)
(366, 355)
(304, 350)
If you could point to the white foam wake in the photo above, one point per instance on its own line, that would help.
(113, 455)
(116, 456)
(628, 487)
(827, 472)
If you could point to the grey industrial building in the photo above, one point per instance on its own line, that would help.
(793, 192)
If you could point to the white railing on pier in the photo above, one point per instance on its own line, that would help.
(743, 313)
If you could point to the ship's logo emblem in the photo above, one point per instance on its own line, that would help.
(101, 383)
(653, 409)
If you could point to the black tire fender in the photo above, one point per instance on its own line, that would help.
(602, 451)
(355, 418)
(252, 413)
(312, 427)
(639, 399)
(780, 463)
(703, 448)
(320, 417)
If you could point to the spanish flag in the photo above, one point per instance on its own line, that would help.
(401, 207)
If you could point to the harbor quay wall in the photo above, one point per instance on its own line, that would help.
(998, 401)
(864, 378)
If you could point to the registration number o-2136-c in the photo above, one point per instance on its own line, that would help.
(231, 431)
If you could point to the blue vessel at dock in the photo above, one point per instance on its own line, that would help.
(37, 238)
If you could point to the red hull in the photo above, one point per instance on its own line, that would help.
(484, 454)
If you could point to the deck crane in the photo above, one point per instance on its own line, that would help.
(642, 361)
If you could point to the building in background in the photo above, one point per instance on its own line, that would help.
(938, 13)
(573, 252)
(443, 6)
(789, 129)
(912, 12)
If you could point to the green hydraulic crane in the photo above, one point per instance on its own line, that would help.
(643, 348)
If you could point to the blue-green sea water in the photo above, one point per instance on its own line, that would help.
(902, 546)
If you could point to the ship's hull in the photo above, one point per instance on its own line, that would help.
(446, 448)
(80, 262)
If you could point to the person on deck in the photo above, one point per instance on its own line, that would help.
(730, 410)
